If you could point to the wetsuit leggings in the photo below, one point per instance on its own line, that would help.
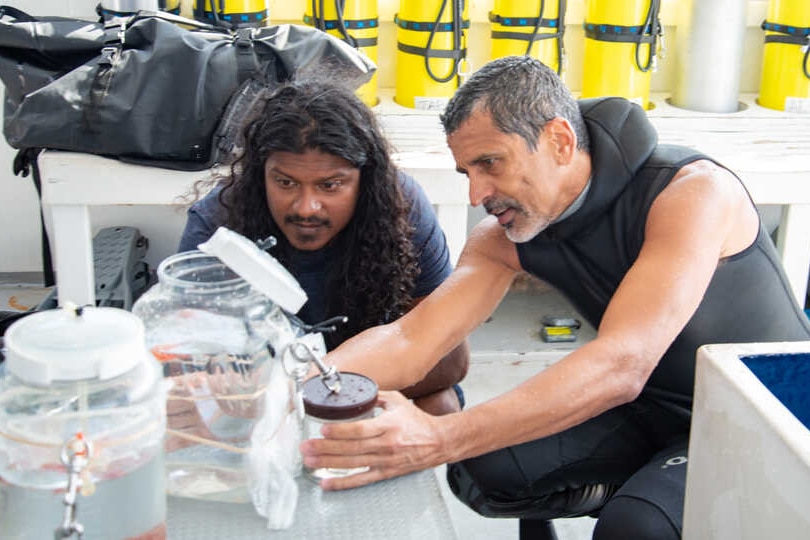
(627, 466)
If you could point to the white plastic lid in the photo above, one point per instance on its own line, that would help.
(71, 344)
(257, 267)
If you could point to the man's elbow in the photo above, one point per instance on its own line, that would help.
(460, 361)
(631, 378)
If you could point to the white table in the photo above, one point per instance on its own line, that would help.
(406, 508)
(769, 150)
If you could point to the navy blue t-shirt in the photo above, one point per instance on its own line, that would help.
(310, 268)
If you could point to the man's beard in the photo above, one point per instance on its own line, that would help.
(532, 225)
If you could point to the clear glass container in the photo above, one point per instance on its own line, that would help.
(355, 400)
(81, 391)
(233, 429)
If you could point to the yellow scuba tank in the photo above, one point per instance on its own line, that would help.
(355, 22)
(533, 28)
(621, 39)
(785, 81)
(431, 51)
(231, 13)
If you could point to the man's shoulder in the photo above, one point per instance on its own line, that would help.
(210, 198)
(410, 187)
(209, 204)
(413, 193)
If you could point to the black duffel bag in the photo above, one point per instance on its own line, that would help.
(147, 89)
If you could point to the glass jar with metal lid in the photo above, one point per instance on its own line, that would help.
(352, 397)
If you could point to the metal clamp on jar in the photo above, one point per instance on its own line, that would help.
(333, 397)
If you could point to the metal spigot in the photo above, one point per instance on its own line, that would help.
(75, 456)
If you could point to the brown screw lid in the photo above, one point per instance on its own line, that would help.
(358, 395)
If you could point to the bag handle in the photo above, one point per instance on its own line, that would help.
(246, 60)
(115, 31)
(166, 16)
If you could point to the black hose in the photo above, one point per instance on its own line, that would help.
(457, 22)
(536, 27)
(560, 31)
(348, 38)
(215, 11)
(651, 22)
(561, 7)
(317, 15)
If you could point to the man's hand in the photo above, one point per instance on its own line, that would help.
(183, 418)
(221, 395)
(401, 440)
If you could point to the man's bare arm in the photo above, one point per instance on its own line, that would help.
(703, 216)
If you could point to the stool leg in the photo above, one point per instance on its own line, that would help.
(536, 529)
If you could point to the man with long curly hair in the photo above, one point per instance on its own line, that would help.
(360, 236)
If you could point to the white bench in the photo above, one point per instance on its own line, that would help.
(770, 151)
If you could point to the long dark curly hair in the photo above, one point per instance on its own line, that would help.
(371, 283)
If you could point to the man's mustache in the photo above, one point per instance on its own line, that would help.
(298, 220)
(501, 205)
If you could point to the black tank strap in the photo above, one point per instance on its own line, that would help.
(455, 54)
(525, 36)
(343, 25)
(620, 34)
(649, 32)
(456, 26)
(525, 22)
(352, 24)
(536, 23)
(784, 33)
(233, 20)
(790, 35)
(428, 26)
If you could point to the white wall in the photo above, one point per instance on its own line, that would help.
(19, 211)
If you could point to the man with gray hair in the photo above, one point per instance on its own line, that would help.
(658, 246)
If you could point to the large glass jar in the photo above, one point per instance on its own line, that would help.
(82, 418)
(234, 424)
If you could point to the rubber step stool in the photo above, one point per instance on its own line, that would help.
(121, 274)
